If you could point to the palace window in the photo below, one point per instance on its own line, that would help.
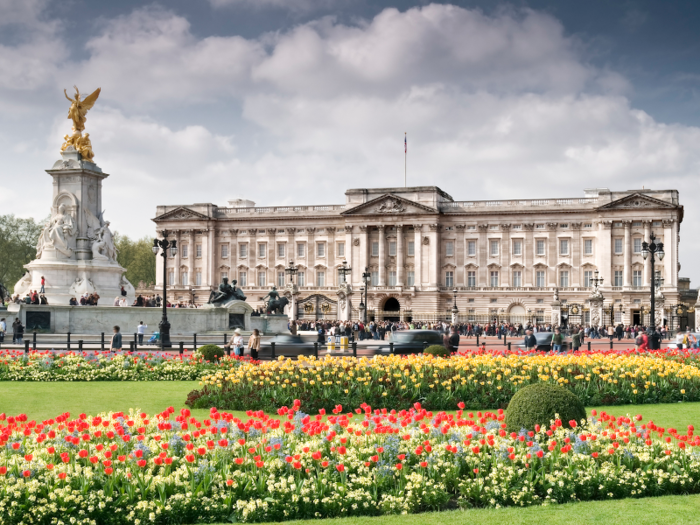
(540, 246)
(539, 279)
(517, 247)
(411, 278)
(587, 276)
(375, 249)
(301, 279)
(411, 248)
(184, 250)
(374, 278)
(392, 248)
(280, 279)
(618, 278)
(262, 248)
(449, 248)
(222, 276)
(637, 278)
(588, 247)
(171, 278)
(198, 279)
(471, 248)
(637, 245)
(280, 250)
(198, 250)
(449, 279)
(224, 250)
(243, 251)
(320, 278)
(242, 278)
(471, 227)
(392, 278)
(172, 252)
(262, 276)
(494, 279)
(564, 278)
(494, 248)
(184, 279)
(517, 279)
(321, 249)
(471, 278)
(341, 249)
(539, 226)
(300, 249)
(618, 246)
(563, 247)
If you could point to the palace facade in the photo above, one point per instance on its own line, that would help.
(423, 251)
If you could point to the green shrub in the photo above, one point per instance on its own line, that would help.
(538, 404)
(437, 350)
(211, 353)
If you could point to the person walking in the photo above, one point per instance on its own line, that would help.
(140, 330)
(576, 340)
(17, 331)
(3, 329)
(557, 340)
(254, 344)
(115, 345)
(530, 340)
(236, 342)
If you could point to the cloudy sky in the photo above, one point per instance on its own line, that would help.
(293, 101)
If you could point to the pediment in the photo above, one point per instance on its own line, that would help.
(390, 204)
(636, 201)
(180, 213)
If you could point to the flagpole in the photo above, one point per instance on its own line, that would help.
(405, 154)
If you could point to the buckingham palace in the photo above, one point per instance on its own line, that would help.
(422, 252)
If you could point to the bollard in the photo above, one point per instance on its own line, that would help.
(68, 341)
(316, 349)
(80, 345)
(354, 348)
(182, 348)
(509, 346)
(225, 341)
(589, 346)
(194, 347)
(272, 347)
(102, 341)
(135, 338)
(34, 340)
(477, 339)
(611, 343)
(505, 337)
(391, 347)
(26, 346)
(228, 350)
(425, 345)
(132, 346)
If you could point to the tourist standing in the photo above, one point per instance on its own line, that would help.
(3, 329)
(292, 327)
(17, 331)
(530, 340)
(254, 343)
(557, 340)
(43, 283)
(140, 330)
(236, 342)
(115, 344)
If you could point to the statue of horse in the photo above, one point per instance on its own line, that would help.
(276, 305)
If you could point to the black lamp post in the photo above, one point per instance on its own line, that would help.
(164, 326)
(596, 281)
(366, 277)
(291, 270)
(654, 249)
(344, 270)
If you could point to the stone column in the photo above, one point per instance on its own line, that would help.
(331, 273)
(434, 265)
(604, 252)
(382, 255)
(364, 250)
(418, 254)
(529, 256)
(352, 277)
(647, 266)
(505, 256)
(552, 254)
(460, 256)
(191, 254)
(556, 313)
(482, 256)
(212, 254)
(575, 251)
(233, 255)
(271, 253)
(596, 306)
(627, 268)
(670, 262)
(311, 256)
(177, 261)
(400, 281)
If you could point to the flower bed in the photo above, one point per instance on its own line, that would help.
(480, 380)
(103, 366)
(131, 468)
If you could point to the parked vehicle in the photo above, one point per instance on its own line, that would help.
(411, 341)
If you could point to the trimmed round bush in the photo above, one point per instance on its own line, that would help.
(539, 404)
(211, 353)
(437, 350)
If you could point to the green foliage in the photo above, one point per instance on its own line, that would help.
(211, 353)
(437, 350)
(538, 404)
(18, 239)
(137, 257)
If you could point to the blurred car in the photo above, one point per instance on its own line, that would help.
(693, 339)
(286, 344)
(411, 341)
(544, 342)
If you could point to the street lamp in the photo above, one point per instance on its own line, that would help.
(366, 277)
(653, 248)
(596, 281)
(291, 270)
(344, 270)
(455, 311)
(164, 326)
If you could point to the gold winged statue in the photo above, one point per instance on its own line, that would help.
(78, 114)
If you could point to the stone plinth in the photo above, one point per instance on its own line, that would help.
(270, 324)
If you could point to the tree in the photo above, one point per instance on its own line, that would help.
(137, 257)
(18, 238)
